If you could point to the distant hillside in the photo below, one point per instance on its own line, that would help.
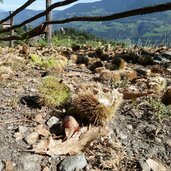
(106, 7)
(153, 28)
(25, 14)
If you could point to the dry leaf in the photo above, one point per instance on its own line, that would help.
(39, 118)
(32, 138)
(5, 70)
(133, 95)
(41, 130)
(18, 136)
(9, 165)
(41, 146)
(75, 145)
(46, 168)
(155, 165)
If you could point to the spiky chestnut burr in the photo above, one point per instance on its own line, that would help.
(97, 110)
(53, 92)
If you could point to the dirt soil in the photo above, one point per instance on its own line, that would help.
(139, 132)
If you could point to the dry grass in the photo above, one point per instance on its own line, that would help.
(106, 154)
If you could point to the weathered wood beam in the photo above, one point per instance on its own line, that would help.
(139, 11)
(48, 34)
(11, 44)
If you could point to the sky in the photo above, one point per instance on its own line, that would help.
(11, 5)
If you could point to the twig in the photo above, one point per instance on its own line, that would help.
(13, 121)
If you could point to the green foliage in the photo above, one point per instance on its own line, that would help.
(69, 36)
(150, 29)
(20, 31)
(36, 59)
(74, 34)
(47, 63)
(2, 35)
(53, 92)
(160, 110)
(52, 63)
(42, 42)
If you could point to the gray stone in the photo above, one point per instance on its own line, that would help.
(29, 162)
(130, 127)
(168, 142)
(122, 136)
(52, 121)
(158, 140)
(73, 162)
(23, 129)
(144, 166)
(10, 127)
(1, 166)
(32, 138)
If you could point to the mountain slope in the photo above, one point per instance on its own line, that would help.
(24, 15)
(153, 28)
(106, 7)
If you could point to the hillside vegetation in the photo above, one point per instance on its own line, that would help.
(147, 29)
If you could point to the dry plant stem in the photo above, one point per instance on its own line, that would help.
(14, 121)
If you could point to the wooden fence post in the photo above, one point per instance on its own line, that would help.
(11, 43)
(48, 34)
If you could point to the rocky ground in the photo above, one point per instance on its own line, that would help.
(138, 137)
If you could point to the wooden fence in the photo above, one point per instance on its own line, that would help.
(45, 27)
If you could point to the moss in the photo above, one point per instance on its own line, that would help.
(53, 92)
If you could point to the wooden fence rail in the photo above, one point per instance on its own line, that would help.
(49, 9)
(43, 28)
(11, 44)
(48, 34)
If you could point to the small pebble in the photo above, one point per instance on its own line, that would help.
(144, 165)
(72, 163)
(130, 127)
(123, 136)
(29, 162)
(158, 140)
(22, 129)
(32, 138)
(168, 142)
(52, 121)
(1, 166)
